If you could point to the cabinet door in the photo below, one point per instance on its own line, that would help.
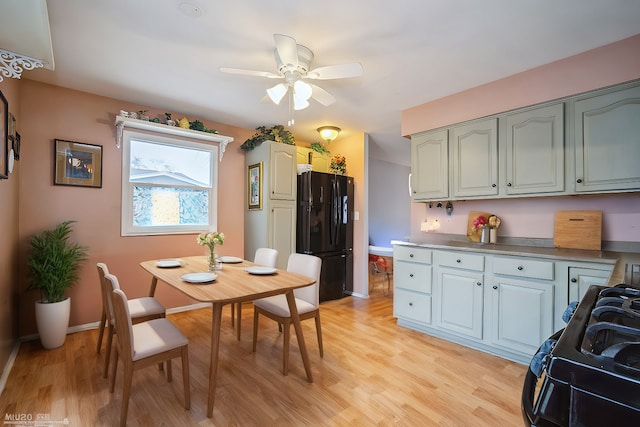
(474, 151)
(302, 155)
(321, 162)
(430, 166)
(607, 135)
(459, 302)
(283, 171)
(522, 313)
(535, 151)
(282, 230)
(412, 305)
(581, 278)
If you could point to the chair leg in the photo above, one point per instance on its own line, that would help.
(285, 347)
(114, 368)
(233, 313)
(107, 350)
(255, 328)
(319, 332)
(126, 392)
(185, 377)
(103, 320)
(169, 372)
(239, 331)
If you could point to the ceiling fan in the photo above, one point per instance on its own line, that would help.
(293, 63)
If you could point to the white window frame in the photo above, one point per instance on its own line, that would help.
(127, 227)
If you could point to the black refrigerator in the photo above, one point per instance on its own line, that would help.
(325, 229)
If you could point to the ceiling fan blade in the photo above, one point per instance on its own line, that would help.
(321, 95)
(254, 73)
(341, 71)
(287, 50)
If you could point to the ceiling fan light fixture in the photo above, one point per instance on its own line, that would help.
(277, 92)
(302, 90)
(299, 103)
(328, 133)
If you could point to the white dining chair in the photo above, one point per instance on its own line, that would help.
(265, 257)
(307, 302)
(142, 345)
(140, 309)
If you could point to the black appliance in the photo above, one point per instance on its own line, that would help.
(325, 229)
(589, 373)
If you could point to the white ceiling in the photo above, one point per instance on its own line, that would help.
(413, 51)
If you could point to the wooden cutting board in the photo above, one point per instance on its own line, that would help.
(578, 230)
(475, 236)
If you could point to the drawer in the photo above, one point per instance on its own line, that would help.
(412, 253)
(461, 260)
(524, 267)
(411, 305)
(412, 276)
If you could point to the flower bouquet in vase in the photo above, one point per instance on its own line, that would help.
(210, 240)
(338, 164)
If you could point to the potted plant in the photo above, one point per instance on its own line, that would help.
(275, 133)
(54, 266)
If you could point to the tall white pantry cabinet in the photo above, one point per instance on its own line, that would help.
(274, 225)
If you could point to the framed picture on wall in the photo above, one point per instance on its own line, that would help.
(254, 179)
(4, 136)
(77, 163)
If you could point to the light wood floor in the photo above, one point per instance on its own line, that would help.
(373, 373)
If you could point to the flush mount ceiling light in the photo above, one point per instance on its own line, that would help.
(328, 133)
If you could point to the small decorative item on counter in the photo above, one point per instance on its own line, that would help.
(210, 240)
(494, 224)
(142, 115)
(338, 164)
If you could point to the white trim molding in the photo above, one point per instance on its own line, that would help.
(12, 64)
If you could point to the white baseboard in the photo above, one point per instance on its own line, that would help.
(9, 365)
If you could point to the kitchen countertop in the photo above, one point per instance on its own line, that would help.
(446, 242)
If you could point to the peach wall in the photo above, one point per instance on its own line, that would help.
(50, 112)
(9, 231)
(605, 66)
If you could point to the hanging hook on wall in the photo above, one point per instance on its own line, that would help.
(449, 208)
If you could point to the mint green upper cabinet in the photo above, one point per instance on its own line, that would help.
(429, 166)
(474, 152)
(607, 141)
(534, 146)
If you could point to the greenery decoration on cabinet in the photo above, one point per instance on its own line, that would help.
(275, 133)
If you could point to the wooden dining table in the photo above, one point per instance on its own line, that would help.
(232, 285)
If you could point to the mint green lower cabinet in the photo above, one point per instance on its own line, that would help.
(458, 296)
(413, 306)
(521, 313)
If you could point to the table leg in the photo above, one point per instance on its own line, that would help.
(293, 309)
(215, 346)
(152, 289)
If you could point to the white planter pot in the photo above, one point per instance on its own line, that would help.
(53, 320)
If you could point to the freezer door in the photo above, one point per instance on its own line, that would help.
(336, 276)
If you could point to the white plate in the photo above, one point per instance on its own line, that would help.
(168, 263)
(260, 270)
(199, 277)
(230, 259)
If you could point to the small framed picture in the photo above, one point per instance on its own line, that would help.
(77, 163)
(4, 137)
(254, 179)
(16, 146)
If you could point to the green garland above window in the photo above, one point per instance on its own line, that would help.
(275, 133)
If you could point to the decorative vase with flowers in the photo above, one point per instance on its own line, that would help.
(210, 240)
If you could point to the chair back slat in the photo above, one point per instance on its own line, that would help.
(124, 329)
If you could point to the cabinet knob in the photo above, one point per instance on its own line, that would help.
(478, 284)
(574, 280)
(508, 184)
(579, 180)
(493, 186)
(520, 268)
(410, 304)
(495, 287)
(410, 255)
(411, 275)
(458, 261)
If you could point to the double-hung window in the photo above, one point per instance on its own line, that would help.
(169, 184)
